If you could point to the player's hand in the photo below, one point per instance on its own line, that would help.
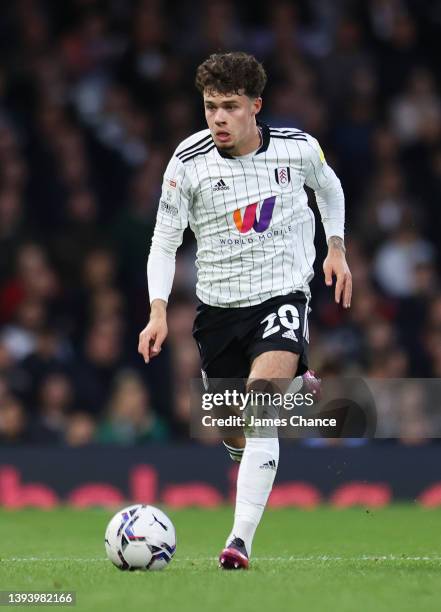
(153, 335)
(336, 264)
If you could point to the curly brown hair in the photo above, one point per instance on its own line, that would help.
(231, 73)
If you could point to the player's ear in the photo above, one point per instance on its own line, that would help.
(257, 105)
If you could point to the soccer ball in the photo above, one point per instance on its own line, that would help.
(140, 537)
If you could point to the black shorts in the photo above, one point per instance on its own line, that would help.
(229, 339)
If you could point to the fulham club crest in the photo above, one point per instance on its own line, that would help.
(283, 176)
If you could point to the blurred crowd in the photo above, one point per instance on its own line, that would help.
(94, 97)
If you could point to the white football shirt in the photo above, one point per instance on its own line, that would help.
(250, 214)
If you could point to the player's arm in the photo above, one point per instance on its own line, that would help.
(171, 222)
(160, 275)
(331, 203)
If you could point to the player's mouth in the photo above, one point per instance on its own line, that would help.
(223, 136)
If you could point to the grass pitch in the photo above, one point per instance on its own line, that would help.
(341, 560)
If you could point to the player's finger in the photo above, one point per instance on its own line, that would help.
(339, 287)
(328, 275)
(156, 348)
(347, 295)
(144, 346)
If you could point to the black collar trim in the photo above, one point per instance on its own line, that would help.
(266, 137)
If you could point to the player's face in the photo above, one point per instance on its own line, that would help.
(232, 121)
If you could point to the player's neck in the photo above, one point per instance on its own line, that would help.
(252, 143)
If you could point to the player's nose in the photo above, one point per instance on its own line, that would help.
(219, 117)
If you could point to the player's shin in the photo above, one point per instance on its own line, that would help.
(256, 475)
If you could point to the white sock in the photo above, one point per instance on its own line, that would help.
(254, 483)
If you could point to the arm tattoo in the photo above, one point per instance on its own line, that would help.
(335, 242)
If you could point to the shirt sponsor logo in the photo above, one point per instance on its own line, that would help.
(250, 221)
(274, 234)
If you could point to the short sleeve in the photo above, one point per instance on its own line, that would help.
(175, 196)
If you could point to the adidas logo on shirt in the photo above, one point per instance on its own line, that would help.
(290, 334)
(269, 465)
(220, 186)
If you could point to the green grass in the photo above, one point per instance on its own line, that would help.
(340, 560)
